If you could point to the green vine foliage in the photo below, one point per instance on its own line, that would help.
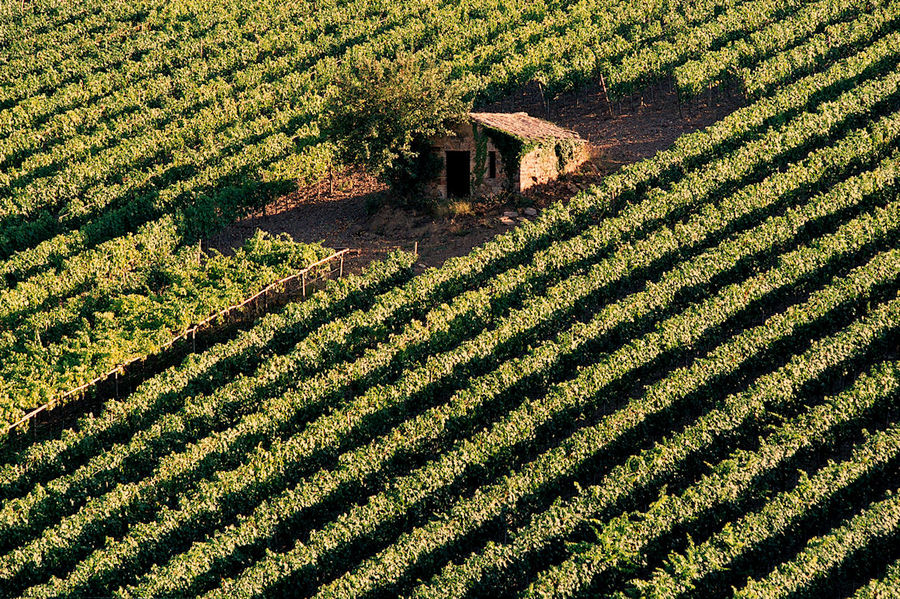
(691, 329)
(481, 143)
(511, 149)
(566, 151)
(48, 352)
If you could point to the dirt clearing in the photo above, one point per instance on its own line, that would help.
(335, 211)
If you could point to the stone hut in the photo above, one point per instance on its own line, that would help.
(494, 152)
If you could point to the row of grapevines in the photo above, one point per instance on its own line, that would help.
(58, 41)
(496, 562)
(622, 543)
(17, 21)
(88, 269)
(760, 529)
(870, 29)
(694, 76)
(658, 59)
(567, 50)
(865, 535)
(386, 567)
(117, 43)
(27, 107)
(103, 330)
(86, 188)
(881, 588)
(111, 109)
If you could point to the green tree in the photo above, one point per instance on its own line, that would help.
(381, 113)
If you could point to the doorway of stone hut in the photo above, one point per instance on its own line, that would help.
(458, 174)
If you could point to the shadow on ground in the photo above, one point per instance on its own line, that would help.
(334, 211)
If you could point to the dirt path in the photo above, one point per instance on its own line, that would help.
(335, 211)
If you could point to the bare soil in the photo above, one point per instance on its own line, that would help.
(352, 209)
(627, 131)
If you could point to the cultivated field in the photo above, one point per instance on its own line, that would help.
(682, 382)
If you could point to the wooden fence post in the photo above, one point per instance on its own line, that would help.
(606, 96)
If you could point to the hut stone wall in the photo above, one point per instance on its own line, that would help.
(480, 181)
(539, 166)
(486, 172)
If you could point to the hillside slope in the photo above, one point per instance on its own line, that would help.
(682, 383)
(130, 129)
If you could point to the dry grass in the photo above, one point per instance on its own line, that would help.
(454, 209)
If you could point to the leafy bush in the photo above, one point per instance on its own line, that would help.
(381, 114)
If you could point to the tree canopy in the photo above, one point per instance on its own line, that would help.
(380, 114)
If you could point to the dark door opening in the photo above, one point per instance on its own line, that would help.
(458, 174)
